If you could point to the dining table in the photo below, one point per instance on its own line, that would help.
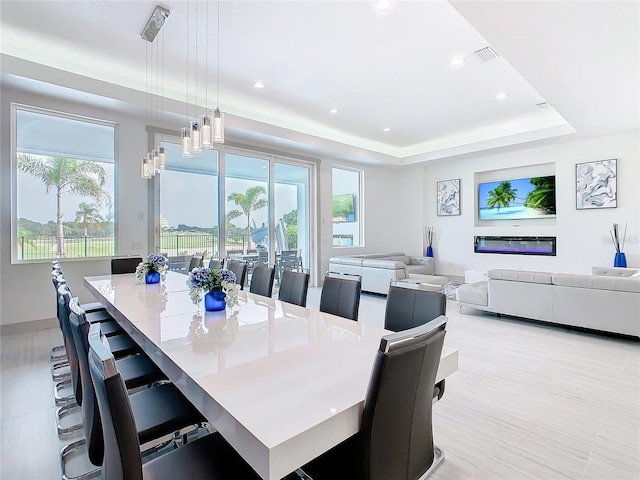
(281, 383)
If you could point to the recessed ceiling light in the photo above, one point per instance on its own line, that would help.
(457, 61)
(502, 96)
(334, 110)
(258, 84)
(383, 4)
(386, 129)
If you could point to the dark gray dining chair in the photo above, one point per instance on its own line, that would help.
(409, 307)
(216, 263)
(159, 411)
(395, 440)
(120, 265)
(240, 270)
(195, 262)
(209, 457)
(341, 295)
(294, 287)
(262, 281)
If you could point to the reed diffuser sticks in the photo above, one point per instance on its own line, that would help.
(615, 236)
(428, 235)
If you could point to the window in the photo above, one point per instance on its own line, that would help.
(64, 169)
(346, 204)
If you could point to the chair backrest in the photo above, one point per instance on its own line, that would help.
(64, 311)
(216, 263)
(396, 435)
(90, 415)
(195, 262)
(289, 259)
(407, 308)
(231, 253)
(294, 287)
(341, 295)
(124, 265)
(122, 458)
(263, 259)
(262, 281)
(240, 269)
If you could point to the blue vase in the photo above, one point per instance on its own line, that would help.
(152, 277)
(620, 260)
(429, 251)
(214, 300)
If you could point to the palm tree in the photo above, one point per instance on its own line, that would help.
(544, 195)
(248, 202)
(88, 214)
(66, 175)
(502, 195)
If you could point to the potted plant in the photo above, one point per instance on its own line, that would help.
(218, 287)
(153, 269)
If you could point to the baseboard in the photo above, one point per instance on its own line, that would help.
(33, 326)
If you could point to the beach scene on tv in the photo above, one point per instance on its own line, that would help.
(521, 198)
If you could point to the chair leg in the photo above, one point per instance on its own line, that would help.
(59, 376)
(64, 454)
(62, 412)
(438, 458)
(58, 353)
(62, 399)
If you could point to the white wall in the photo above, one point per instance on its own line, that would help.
(582, 235)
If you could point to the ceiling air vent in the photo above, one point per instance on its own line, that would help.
(486, 54)
(543, 105)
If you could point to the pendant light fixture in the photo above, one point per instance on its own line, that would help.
(205, 119)
(218, 116)
(185, 133)
(153, 161)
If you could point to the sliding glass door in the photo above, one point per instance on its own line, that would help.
(264, 201)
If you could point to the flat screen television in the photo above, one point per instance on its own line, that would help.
(517, 199)
(343, 208)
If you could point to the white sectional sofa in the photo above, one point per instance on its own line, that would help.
(378, 270)
(608, 300)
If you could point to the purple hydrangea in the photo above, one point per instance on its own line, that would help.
(227, 276)
(208, 279)
(156, 260)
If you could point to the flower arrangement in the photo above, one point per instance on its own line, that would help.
(155, 263)
(203, 279)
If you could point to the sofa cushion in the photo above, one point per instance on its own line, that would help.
(386, 264)
(598, 282)
(400, 258)
(420, 269)
(346, 260)
(473, 293)
(616, 271)
(520, 276)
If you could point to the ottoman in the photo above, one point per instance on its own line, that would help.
(474, 295)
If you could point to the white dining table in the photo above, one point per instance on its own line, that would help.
(281, 383)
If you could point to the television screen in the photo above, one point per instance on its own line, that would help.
(343, 209)
(522, 198)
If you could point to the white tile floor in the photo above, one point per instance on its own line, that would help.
(528, 402)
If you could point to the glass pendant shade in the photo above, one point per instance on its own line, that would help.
(205, 132)
(185, 135)
(196, 144)
(162, 160)
(152, 164)
(218, 126)
(145, 169)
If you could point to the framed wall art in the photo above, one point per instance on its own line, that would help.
(448, 202)
(596, 185)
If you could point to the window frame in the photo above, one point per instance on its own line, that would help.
(14, 108)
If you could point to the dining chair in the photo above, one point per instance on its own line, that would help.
(121, 265)
(408, 307)
(262, 281)
(216, 263)
(340, 295)
(263, 259)
(240, 270)
(294, 287)
(396, 425)
(195, 262)
(159, 411)
(208, 457)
